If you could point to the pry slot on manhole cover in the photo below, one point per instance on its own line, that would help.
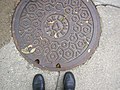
(56, 34)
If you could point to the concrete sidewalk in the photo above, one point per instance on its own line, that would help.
(101, 72)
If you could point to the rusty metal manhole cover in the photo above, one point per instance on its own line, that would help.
(56, 34)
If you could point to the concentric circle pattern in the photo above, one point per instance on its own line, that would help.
(56, 34)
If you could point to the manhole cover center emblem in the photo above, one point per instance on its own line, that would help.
(56, 26)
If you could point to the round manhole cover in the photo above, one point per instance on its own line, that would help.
(56, 34)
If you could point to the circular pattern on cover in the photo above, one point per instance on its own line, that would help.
(56, 34)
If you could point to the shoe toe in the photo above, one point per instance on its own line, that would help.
(69, 81)
(38, 82)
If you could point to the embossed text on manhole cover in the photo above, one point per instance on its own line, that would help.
(56, 34)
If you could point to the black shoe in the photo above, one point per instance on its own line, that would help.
(38, 82)
(69, 81)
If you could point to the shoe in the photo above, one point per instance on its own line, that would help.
(38, 82)
(69, 81)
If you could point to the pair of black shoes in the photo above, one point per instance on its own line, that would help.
(68, 82)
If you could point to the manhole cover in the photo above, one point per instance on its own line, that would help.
(56, 34)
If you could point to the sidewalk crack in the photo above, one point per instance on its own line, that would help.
(57, 80)
(108, 5)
